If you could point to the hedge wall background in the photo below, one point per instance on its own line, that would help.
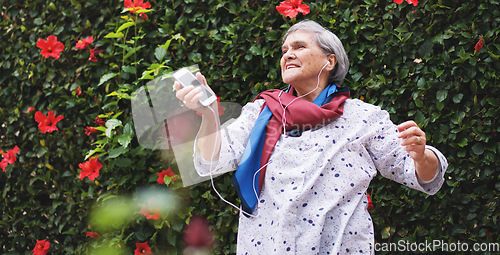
(417, 62)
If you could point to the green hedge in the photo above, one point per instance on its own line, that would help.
(417, 62)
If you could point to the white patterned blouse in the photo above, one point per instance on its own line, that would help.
(314, 196)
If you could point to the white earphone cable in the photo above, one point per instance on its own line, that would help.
(283, 120)
(217, 137)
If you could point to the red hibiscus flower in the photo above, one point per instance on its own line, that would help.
(93, 52)
(50, 47)
(92, 56)
(78, 91)
(31, 108)
(197, 233)
(370, 203)
(41, 247)
(9, 157)
(414, 2)
(142, 248)
(84, 43)
(99, 121)
(135, 5)
(92, 235)
(290, 8)
(90, 130)
(161, 175)
(47, 123)
(479, 45)
(90, 168)
(151, 213)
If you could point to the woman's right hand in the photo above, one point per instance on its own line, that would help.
(208, 143)
(190, 96)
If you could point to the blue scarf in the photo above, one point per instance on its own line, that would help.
(246, 178)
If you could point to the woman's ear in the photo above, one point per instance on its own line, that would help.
(332, 60)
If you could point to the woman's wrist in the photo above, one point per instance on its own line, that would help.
(426, 168)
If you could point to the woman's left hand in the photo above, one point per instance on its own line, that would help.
(413, 139)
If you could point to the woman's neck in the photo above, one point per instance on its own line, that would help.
(309, 93)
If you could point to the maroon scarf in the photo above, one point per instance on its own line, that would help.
(301, 114)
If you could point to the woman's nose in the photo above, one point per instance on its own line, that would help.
(289, 54)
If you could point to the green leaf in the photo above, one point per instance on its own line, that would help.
(92, 152)
(463, 142)
(111, 124)
(124, 139)
(442, 95)
(38, 21)
(114, 153)
(114, 35)
(129, 69)
(419, 103)
(419, 117)
(106, 78)
(458, 98)
(438, 72)
(478, 149)
(125, 26)
(387, 232)
(160, 53)
(357, 76)
(256, 50)
(123, 162)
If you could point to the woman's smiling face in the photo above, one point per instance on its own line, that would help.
(302, 60)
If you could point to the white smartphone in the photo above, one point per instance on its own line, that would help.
(186, 78)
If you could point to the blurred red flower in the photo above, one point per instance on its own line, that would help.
(41, 247)
(151, 213)
(370, 203)
(9, 157)
(47, 123)
(143, 16)
(161, 175)
(31, 108)
(290, 8)
(197, 233)
(78, 91)
(92, 56)
(90, 130)
(135, 5)
(50, 47)
(90, 168)
(84, 43)
(142, 248)
(479, 45)
(92, 235)
(414, 2)
(99, 121)
(93, 52)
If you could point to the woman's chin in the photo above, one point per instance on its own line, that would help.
(288, 79)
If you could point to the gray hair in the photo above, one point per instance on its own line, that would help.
(329, 43)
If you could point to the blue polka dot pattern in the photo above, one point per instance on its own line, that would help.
(314, 196)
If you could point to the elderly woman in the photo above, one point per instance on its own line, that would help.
(304, 157)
